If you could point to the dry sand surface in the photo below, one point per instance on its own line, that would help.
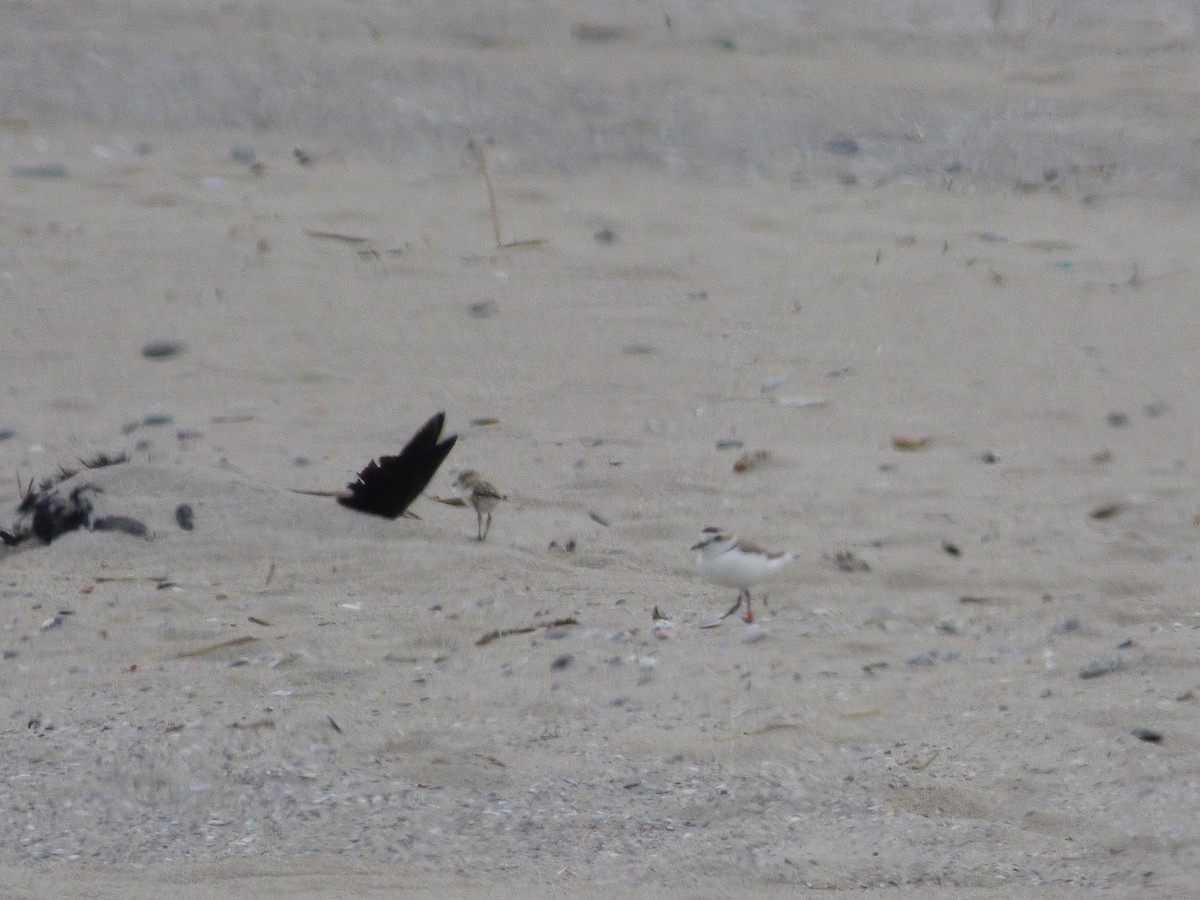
(808, 232)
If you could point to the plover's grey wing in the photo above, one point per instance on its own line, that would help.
(386, 487)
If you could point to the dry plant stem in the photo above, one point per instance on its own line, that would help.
(491, 192)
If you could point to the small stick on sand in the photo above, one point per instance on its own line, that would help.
(501, 244)
(481, 152)
(337, 236)
(219, 645)
(508, 632)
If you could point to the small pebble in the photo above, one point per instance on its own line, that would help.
(185, 517)
(158, 419)
(48, 170)
(928, 658)
(724, 43)
(842, 146)
(1117, 419)
(597, 33)
(125, 524)
(483, 309)
(1105, 511)
(848, 561)
(1150, 735)
(7, 433)
(1154, 410)
(753, 633)
(163, 348)
(605, 236)
(750, 459)
(729, 444)
(1067, 627)
(1103, 666)
(664, 629)
(561, 662)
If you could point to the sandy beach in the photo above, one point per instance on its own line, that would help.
(938, 264)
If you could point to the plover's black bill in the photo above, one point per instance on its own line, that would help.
(387, 487)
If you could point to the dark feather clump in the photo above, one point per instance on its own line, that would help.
(66, 473)
(55, 515)
(46, 513)
(103, 460)
(387, 487)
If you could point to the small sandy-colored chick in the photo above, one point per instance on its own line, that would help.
(481, 496)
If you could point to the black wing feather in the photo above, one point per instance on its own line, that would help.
(387, 487)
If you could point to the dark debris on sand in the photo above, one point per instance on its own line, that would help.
(47, 513)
